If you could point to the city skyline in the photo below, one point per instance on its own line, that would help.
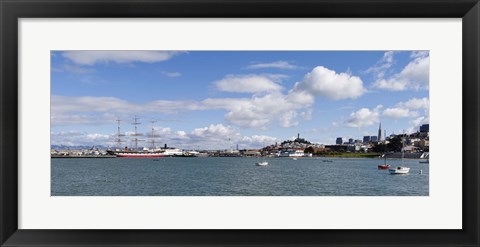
(209, 99)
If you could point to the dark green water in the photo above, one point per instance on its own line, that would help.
(234, 177)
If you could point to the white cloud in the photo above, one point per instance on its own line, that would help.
(72, 69)
(274, 108)
(255, 112)
(415, 75)
(408, 109)
(399, 113)
(63, 105)
(249, 83)
(419, 121)
(383, 65)
(327, 83)
(416, 103)
(171, 74)
(275, 65)
(75, 138)
(364, 117)
(80, 119)
(416, 54)
(217, 136)
(214, 130)
(93, 57)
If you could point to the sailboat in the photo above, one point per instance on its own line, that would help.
(385, 165)
(400, 169)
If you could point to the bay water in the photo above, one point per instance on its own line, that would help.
(235, 176)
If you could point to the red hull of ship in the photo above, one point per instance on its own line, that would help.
(382, 167)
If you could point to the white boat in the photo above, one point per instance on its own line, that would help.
(294, 159)
(263, 163)
(401, 169)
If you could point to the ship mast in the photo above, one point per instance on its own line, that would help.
(118, 140)
(153, 134)
(136, 140)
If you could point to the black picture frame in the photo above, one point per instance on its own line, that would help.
(12, 10)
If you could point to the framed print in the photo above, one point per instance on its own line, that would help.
(239, 123)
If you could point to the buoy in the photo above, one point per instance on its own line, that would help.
(421, 171)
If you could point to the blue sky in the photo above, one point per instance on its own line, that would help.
(217, 99)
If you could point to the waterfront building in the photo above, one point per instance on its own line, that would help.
(339, 141)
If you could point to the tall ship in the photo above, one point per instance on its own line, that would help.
(127, 152)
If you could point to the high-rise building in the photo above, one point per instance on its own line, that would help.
(425, 128)
(350, 141)
(366, 139)
(380, 132)
(339, 141)
(373, 139)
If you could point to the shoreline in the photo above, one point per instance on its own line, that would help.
(314, 157)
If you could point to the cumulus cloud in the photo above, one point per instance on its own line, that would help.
(278, 108)
(415, 75)
(364, 117)
(327, 83)
(94, 57)
(215, 136)
(399, 113)
(255, 112)
(415, 103)
(410, 108)
(219, 136)
(249, 83)
(274, 65)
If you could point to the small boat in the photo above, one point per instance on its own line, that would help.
(399, 170)
(424, 161)
(385, 166)
(294, 159)
(327, 160)
(263, 163)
